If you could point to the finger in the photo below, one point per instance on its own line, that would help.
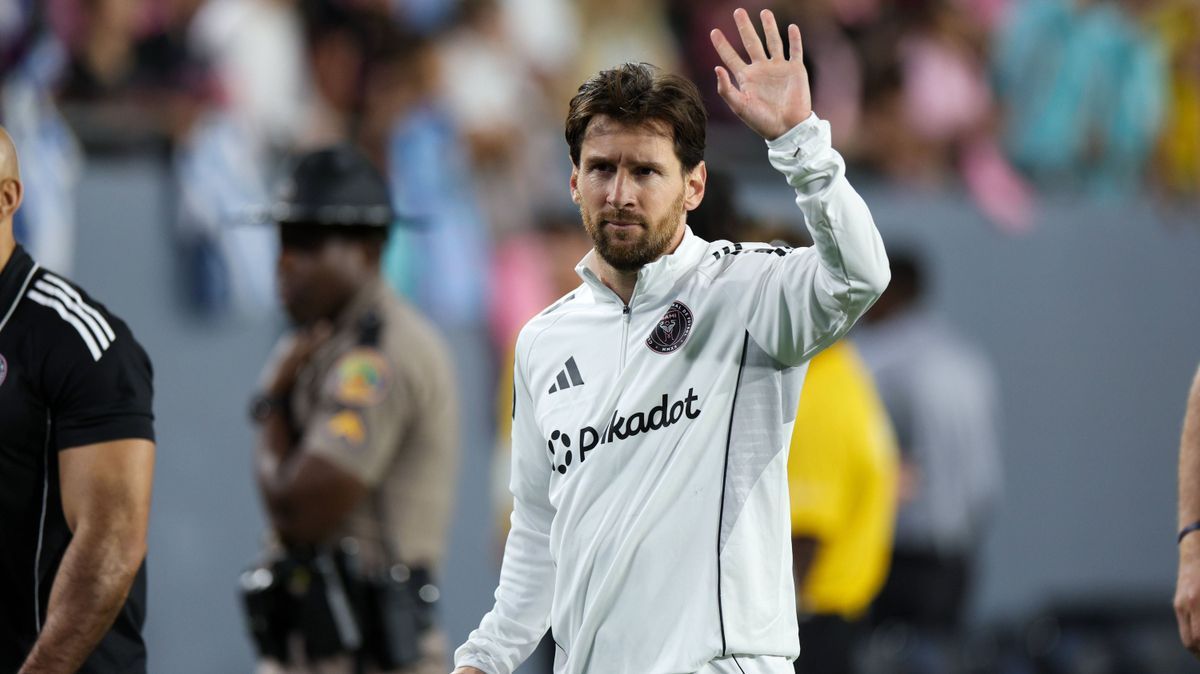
(797, 47)
(750, 39)
(728, 54)
(771, 32)
(725, 85)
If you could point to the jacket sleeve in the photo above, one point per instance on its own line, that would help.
(520, 616)
(796, 302)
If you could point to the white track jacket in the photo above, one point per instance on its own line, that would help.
(650, 526)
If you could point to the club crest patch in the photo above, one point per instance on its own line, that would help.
(3, 369)
(362, 378)
(672, 329)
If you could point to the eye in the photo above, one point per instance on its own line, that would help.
(601, 167)
(646, 171)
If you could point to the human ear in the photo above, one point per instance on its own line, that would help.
(694, 181)
(11, 195)
(575, 185)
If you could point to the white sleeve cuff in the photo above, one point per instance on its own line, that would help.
(807, 139)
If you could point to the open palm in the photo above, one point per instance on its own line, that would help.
(771, 93)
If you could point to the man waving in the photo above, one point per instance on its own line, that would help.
(653, 405)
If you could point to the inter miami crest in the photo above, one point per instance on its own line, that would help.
(3, 369)
(672, 329)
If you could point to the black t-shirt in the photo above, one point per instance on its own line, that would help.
(71, 374)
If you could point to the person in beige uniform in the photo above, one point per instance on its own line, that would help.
(357, 450)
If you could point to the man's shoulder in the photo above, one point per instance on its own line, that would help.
(64, 316)
(404, 327)
(396, 339)
(722, 255)
(570, 304)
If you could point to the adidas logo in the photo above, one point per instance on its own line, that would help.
(567, 377)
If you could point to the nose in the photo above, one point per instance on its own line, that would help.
(621, 191)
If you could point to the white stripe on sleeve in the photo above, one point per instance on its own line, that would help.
(70, 318)
(79, 300)
(74, 308)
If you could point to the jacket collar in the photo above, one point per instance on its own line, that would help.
(14, 279)
(655, 280)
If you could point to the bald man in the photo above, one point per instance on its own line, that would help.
(76, 466)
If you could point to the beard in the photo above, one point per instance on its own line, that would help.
(631, 249)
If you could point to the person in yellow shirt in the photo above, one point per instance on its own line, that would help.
(842, 475)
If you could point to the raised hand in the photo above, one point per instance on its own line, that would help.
(772, 93)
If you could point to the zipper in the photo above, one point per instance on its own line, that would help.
(626, 312)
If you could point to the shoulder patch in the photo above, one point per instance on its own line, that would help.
(349, 427)
(362, 378)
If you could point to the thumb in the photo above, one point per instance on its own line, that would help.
(725, 86)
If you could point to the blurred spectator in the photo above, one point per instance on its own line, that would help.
(224, 166)
(547, 33)
(357, 450)
(406, 127)
(842, 480)
(338, 43)
(502, 111)
(256, 51)
(930, 110)
(1084, 89)
(532, 270)
(1178, 164)
(130, 82)
(424, 16)
(692, 20)
(990, 14)
(16, 20)
(52, 161)
(621, 31)
(292, 78)
(940, 392)
(223, 172)
(835, 70)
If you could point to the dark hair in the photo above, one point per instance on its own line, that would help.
(639, 93)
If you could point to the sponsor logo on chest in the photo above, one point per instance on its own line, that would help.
(568, 448)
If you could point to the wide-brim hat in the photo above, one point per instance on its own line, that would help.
(334, 186)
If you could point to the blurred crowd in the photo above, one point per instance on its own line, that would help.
(461, 103)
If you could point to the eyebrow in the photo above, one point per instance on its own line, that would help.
(602, 159)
